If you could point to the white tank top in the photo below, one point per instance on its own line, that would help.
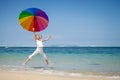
(39, 43)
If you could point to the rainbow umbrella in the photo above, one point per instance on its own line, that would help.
(33, 18)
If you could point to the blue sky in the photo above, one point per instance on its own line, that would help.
(71, 22)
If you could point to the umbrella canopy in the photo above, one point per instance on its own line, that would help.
(33, 18)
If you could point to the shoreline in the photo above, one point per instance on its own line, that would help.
(29, 75)
(21, 73)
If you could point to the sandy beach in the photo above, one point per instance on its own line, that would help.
(27, 75)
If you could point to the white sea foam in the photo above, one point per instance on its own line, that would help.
(62, 73)
(75, 74)
(114, 77)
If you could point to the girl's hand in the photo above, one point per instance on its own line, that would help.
(33, 29)
(50, 36)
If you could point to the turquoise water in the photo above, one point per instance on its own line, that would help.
(73, 59)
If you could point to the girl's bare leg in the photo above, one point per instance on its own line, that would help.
(44, 56)
(30, 56)
(46, 60)
(28, 59)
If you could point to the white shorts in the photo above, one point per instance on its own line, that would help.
(38, 50)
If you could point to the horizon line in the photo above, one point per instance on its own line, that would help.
(57, 46)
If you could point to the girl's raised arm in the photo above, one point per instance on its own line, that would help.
(47, 38)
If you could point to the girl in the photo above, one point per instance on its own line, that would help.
(39, 48)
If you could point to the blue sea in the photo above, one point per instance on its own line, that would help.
(83, 60)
